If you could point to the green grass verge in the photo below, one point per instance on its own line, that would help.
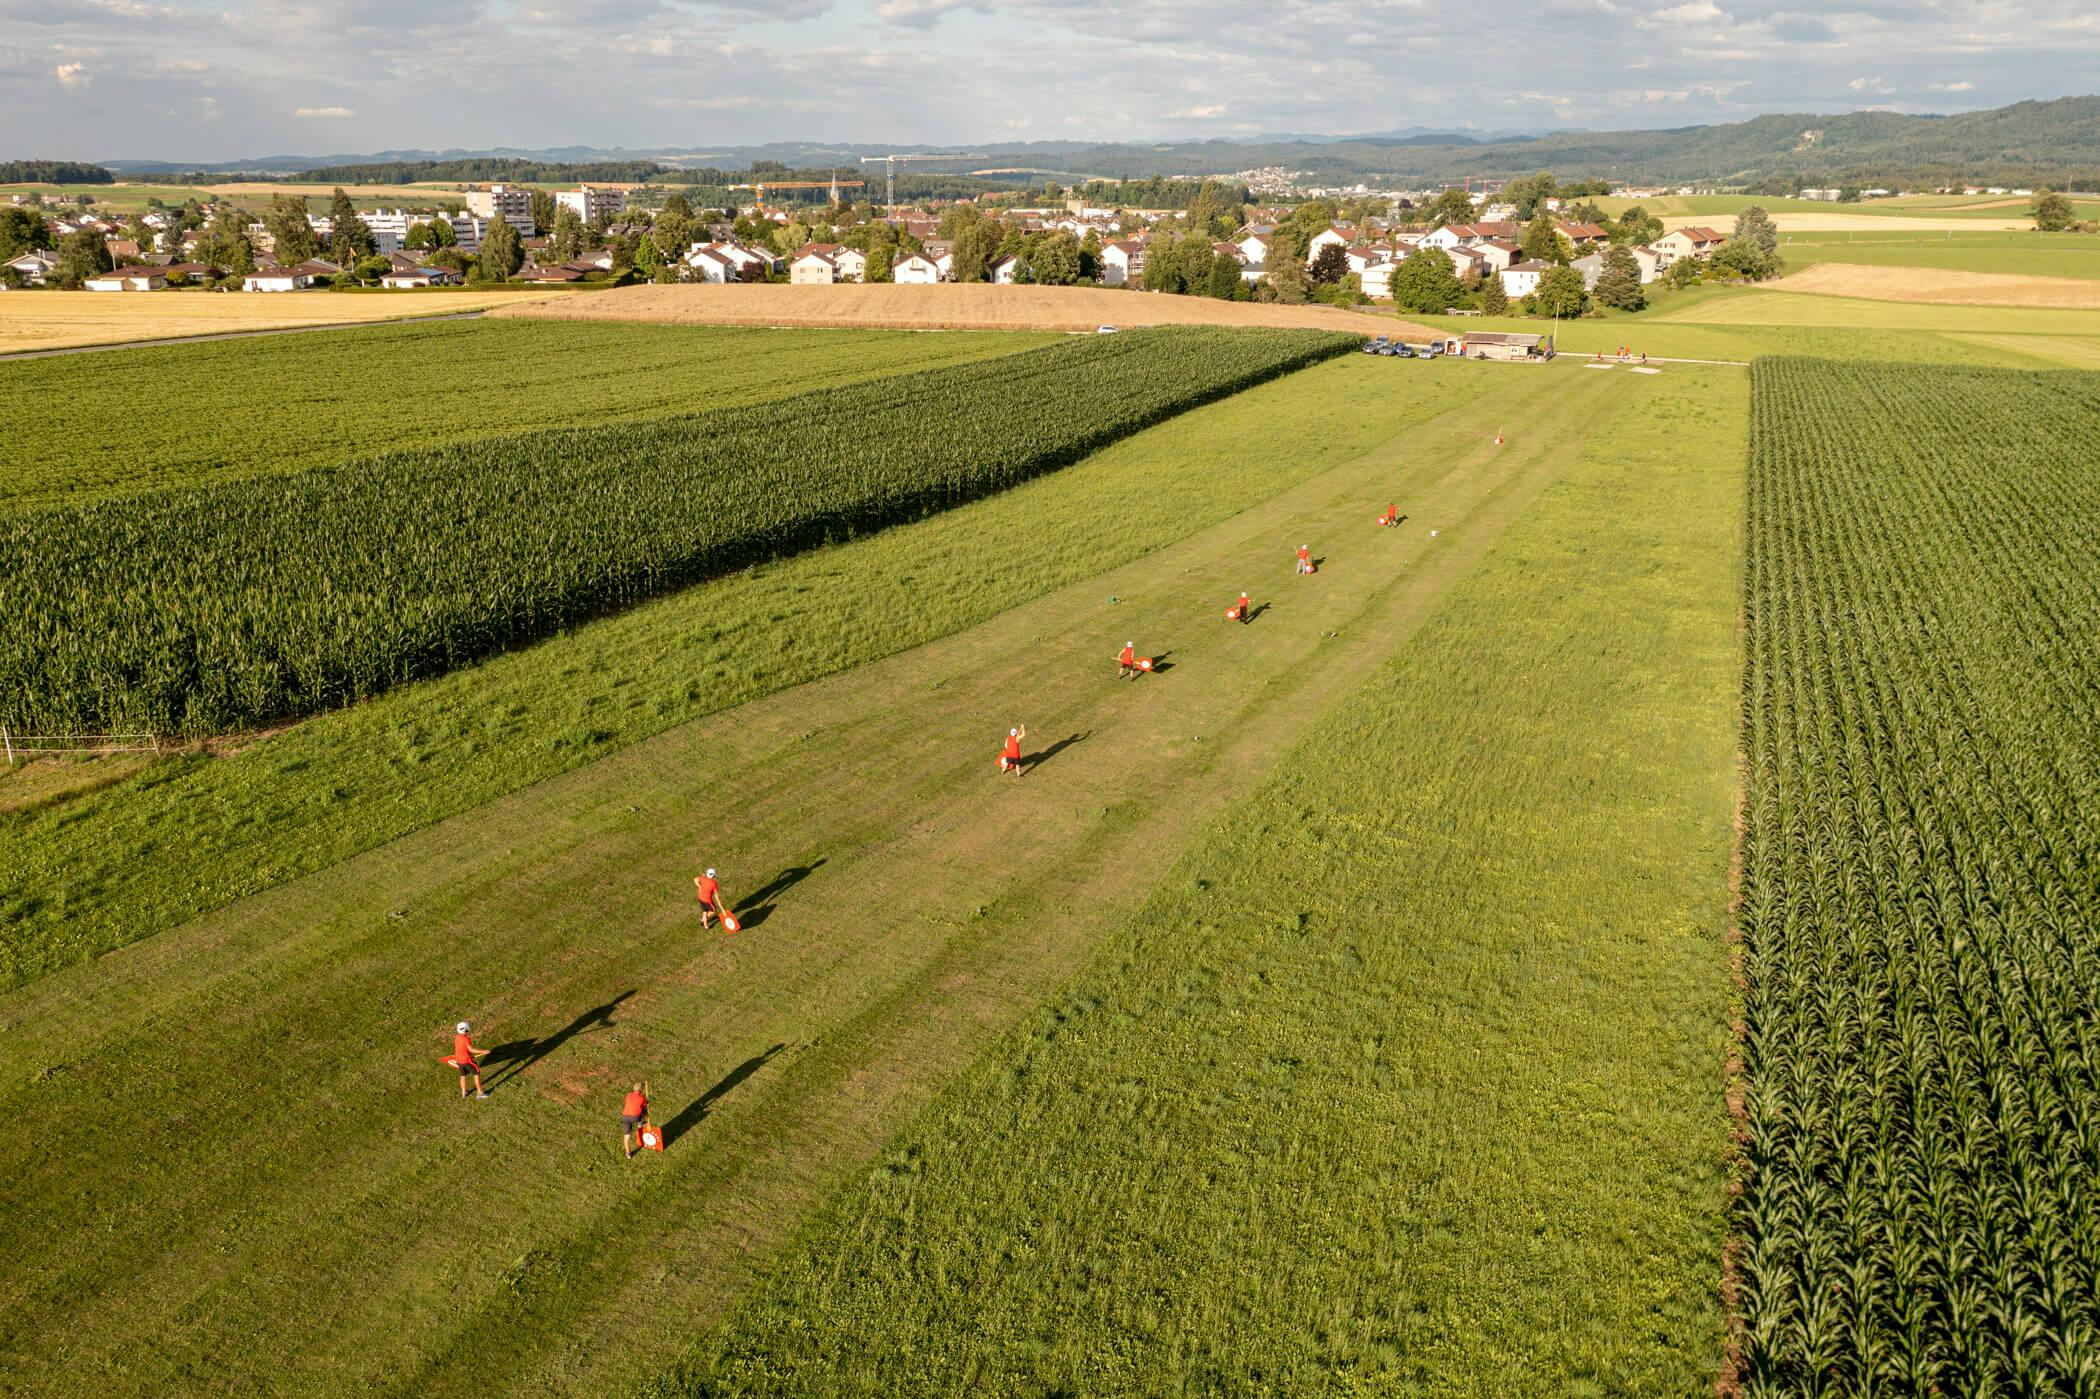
(1741, 323)
(1408, 1080)
(184, 414)
(2023, 254)
(194, 832)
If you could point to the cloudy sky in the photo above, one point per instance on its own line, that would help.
(108, 79)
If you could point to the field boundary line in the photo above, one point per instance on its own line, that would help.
(241, 334)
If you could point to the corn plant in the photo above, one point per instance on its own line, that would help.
(1921, 897)
(212, 608)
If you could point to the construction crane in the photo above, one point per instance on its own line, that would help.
(889, 163)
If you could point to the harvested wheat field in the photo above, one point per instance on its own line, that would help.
(57, 320)
(1794, 221)
(1942, 287)
(972, 306)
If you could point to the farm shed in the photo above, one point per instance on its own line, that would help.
(1501, 344)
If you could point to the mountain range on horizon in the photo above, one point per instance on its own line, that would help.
(2056, 140)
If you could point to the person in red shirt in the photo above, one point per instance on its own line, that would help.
(1305, 564)
(464, 1059)
(1239, 609)
(634, 1114)
(1010, 756)
(1391, 516)
(710, 898)
(1126, 662)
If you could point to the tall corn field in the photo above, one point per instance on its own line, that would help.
(208, 609)
(1921, 897)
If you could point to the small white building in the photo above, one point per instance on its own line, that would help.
(1326, 237)
(34, 268)
(710, 264)
(914, 270)
(1378, 279)
(1123, 262)
(813, 268)
(128, 279)
(1522, 278)
(1000, 271)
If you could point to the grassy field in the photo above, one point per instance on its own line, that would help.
(915, 903)
(281, 404)
(192, 833)
(55, 320)
(1405, 1079)
(2027, 254)
(1982, 208)
(1740, 323)
(133, 197)
(1920, 912)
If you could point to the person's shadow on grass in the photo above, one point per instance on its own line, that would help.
(758, 905)
(517, 1056)
(1036, 760)
(1159, 663)
(695, 1112)
(1254, 612)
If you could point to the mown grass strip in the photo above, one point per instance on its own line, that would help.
(213, 609)
(1408, 1079)
(195, 832)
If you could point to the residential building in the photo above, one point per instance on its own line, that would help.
(815, 264)
(1522, 278)
(510, 203)
(1686, 242)
(1591, 266)
(592, 203)
(709, 263)
(129, 279)
(1002, 270)
(1504, 345)
(270, 277)
(410, 278)
(1496, 254)
(1377, 279)
(1123, 262)
(1322, 239)
(34, 268)
(1585, 235)
(914, 270)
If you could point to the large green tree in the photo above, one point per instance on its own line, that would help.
(1755, 226)
(976, 244)
(1619, 284)
(1542, 241)
(1743, 258)
(1053, 258)
(1451, 206)
(501, 251)
(348, 238)
(1494, 297)
(1329, 265)
(80, 256)
(20, 231)
(291, 232)
(1426, 282)
(566, 238)
(542, 205)
(2052, 212)
(1560, 293)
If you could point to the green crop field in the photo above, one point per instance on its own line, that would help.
(206, 827)
(1741, 323)
(1919, 906)
(220, 607)
(1472, 975)
(184, 414)
(2021, 254)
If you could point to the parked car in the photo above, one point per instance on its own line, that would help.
(1104, 330)
(1375, 347)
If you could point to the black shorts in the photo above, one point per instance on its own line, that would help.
(468, 1066)
(630, 1123)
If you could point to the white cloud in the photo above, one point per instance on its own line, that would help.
(1691, 12)
(1874, 85)
(72, 75)
(1954, 87)
(323, 112)
(1203, 113)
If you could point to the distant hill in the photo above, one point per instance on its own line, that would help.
(2055, 142)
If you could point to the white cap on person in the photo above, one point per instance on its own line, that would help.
(461, 1027)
